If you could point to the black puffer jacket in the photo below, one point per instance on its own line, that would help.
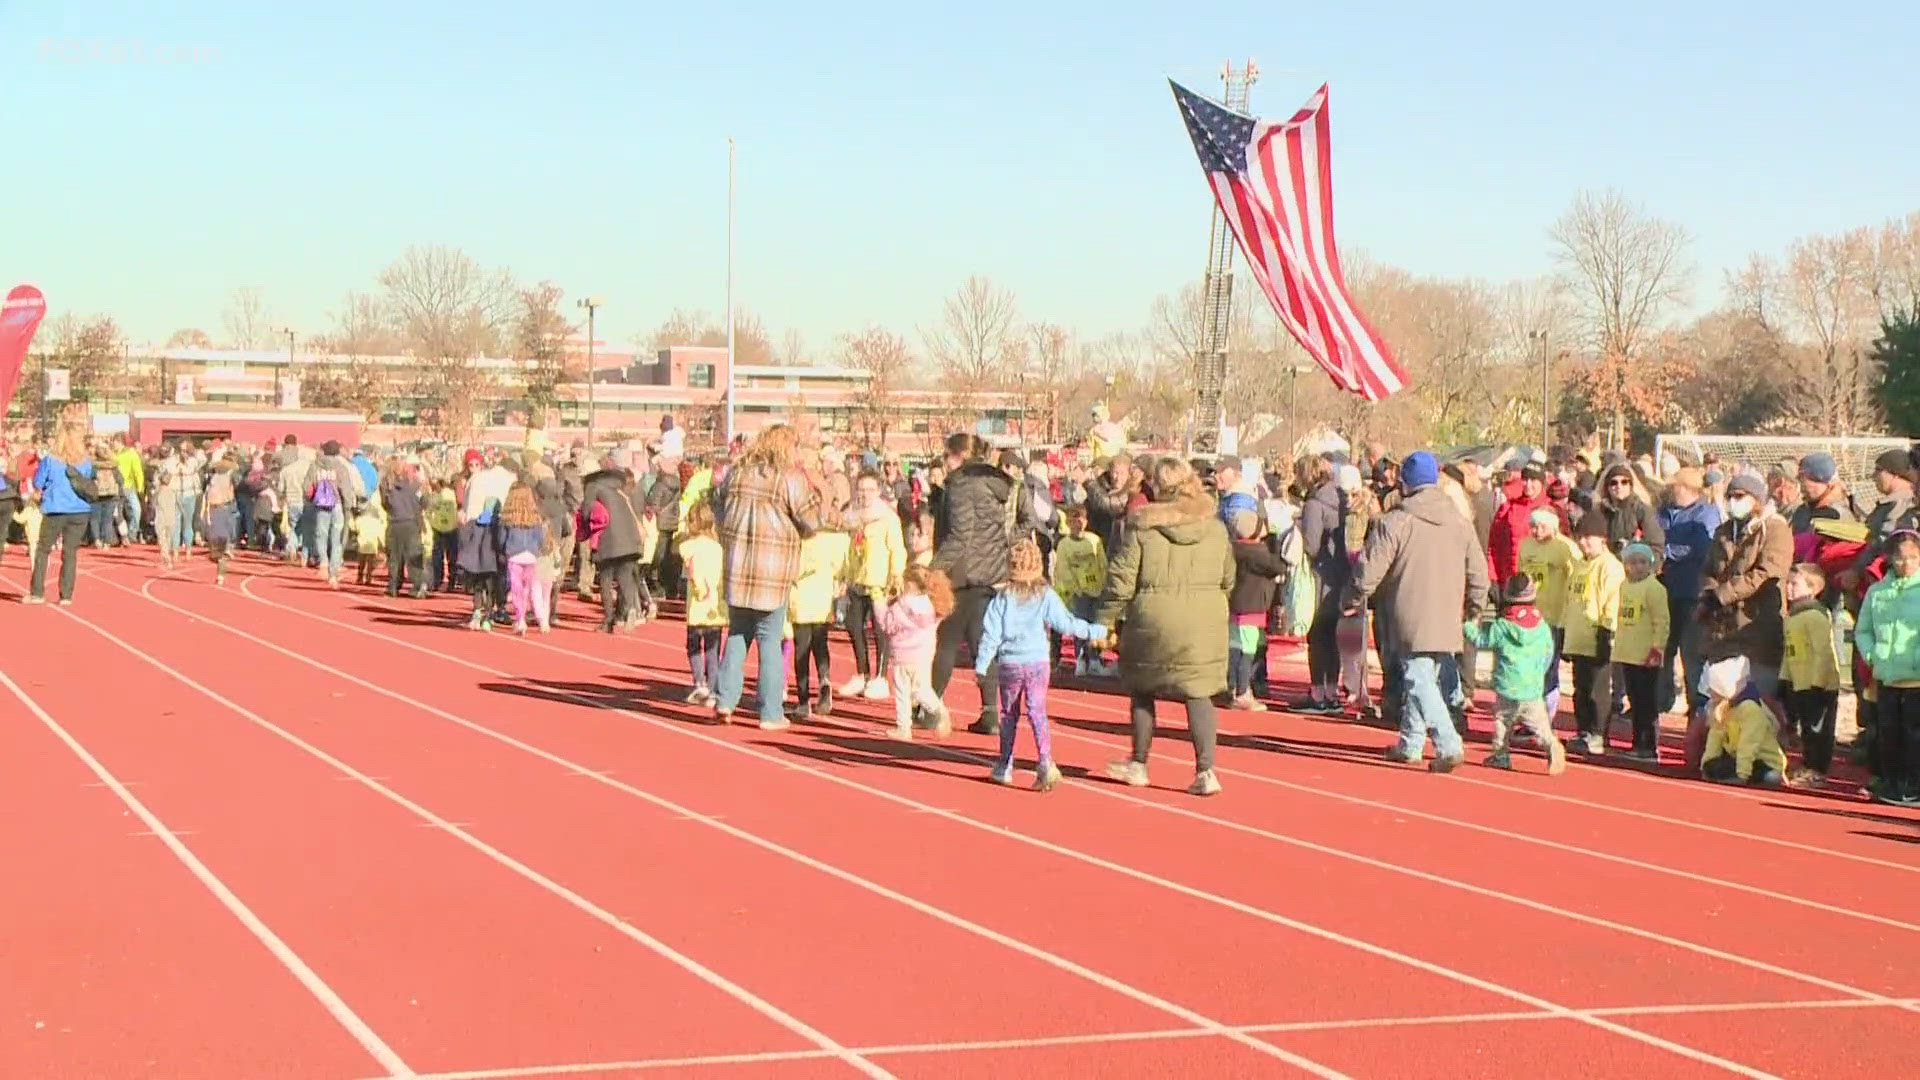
(970, 529)
(620, 538)
(663, 498)
(1323, 535)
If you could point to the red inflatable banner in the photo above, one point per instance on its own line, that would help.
(19, 318)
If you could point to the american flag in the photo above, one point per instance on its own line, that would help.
(1274, 182)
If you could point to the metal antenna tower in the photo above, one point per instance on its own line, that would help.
(1210, 358)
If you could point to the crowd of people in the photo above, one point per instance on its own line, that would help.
(1723, 591)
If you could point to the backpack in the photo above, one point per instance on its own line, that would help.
(325, 493)
(106, 485)
(87, 487)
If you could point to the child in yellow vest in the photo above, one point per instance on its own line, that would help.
(369, 538)
(1593, 615)
(1638, 647)
(1547, 556)
(706, 602)
(1810, 676)
(822, 577)
(876, 558)
(1079, 573)
(1742, 747)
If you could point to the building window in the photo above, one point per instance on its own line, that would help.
(700, 376)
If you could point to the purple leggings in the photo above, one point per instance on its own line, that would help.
(1023, 688)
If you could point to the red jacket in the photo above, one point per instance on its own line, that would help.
(1509, 528)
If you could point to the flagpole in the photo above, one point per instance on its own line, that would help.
(729, 291)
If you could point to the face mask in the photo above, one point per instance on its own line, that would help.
(1740, 509)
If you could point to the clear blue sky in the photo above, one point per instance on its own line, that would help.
(888, 150)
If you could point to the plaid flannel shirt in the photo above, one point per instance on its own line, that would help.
(763, 518)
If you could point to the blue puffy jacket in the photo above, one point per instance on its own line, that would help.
(56, 491)
(1689, 532)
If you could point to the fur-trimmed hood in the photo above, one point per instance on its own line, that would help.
(1182, 520)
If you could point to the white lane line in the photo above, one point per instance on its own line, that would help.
(335, 1005)
(1046, 845)
(661, 948)
(1099, 979)
(1519, 835)
(1061, 731)
(1363, 1023)
(1527, 792)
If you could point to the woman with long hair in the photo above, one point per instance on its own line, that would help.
(1169, 584)
(65, 509)
(766, 508)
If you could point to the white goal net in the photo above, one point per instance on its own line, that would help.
(1855, 456)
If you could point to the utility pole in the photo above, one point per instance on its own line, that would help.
(287, 330)
(591, 303)
(1539, 338)
(729, 390)
(1216, 289)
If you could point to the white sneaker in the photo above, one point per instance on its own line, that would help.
(877, 689)
(1204, 783)
(1001, 776)
(853, 687)
(1128, 772)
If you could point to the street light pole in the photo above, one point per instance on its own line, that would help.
(276, 382)
(729, 390)
(1546, 388)
(590, 303)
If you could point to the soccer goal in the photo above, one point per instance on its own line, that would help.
(1854, 455)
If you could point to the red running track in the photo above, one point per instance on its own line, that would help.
(280, 830)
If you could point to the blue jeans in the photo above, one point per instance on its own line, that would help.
(188, 522)
(100, 523)
(765, 629)
(330, 538)
(1425, 708)
(130, 500)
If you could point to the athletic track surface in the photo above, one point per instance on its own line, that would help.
(275, 830)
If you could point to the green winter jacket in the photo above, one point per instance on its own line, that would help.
(1168, 583)
(1887, 633)
(1523, 646)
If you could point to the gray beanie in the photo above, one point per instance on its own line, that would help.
(1819, 467)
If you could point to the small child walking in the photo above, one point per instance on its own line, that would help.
(1742, 747)
(1522, 647)
(1639, 646)
(1256, 570)
(823, 567)
(1548, 556)
(523, 540)
(1593, 614)
(1810, 675)
(1079, 572)
(1014, 633)
(369, 538)
(701, 563)
(910, 622)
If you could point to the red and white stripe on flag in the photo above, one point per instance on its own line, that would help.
(1280, 208)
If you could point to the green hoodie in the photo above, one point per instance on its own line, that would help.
(1888, 631)
(1523, 644)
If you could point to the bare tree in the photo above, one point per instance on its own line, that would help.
(540, 334)
(975, 340)
(449, 311)
(1897, 268)
(354, 374)
(1626, 268)
(248, 324)
(91, 351)
(1047, 378)
(1828, 293)
(793, 349)
(887, 360)
(189, 338)
(751, 345)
